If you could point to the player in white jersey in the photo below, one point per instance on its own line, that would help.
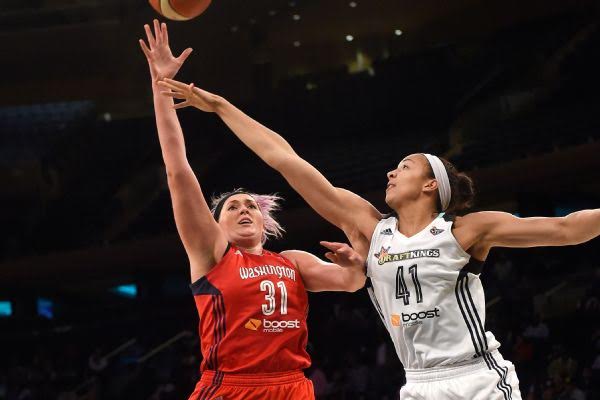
(423, 262)
(427, 291)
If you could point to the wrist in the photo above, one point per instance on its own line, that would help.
(154, 78)
(221, 105)
(156, 88)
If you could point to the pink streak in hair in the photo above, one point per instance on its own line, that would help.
(268, 204)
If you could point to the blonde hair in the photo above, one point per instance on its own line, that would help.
(267, 204)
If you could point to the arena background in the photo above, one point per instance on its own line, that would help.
(94, 302)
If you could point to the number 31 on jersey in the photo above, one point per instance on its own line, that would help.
(269, 287)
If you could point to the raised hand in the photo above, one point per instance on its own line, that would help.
(161, 61)
(192, 96)
(343, 255)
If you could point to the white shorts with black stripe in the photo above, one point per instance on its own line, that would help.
(490, 377)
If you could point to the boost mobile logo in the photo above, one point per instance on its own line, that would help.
(416, 318)
(253, 324)
(271, 326)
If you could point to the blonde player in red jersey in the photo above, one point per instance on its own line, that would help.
(252, 302)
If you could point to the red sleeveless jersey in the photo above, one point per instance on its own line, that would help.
(253, 311)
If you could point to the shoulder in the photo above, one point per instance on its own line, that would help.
(387, 221)
(477, 230)
(390, 219)
(385, 226)
(297, 257)
(482, 219)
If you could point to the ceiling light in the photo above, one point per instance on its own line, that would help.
(397, 32)
(349, 38)
(296, 17)
(353, 4)
(297, 43)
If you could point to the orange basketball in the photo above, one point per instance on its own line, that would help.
(179, 10)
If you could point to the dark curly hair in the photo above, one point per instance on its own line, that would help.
(462, 186)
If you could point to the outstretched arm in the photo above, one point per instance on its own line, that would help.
(202, 237)
(498, 229)
(345, 272)
(342, 208)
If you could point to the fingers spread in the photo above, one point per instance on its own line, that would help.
(332, 245)
(165, 33)
(145, 48)
(183, 104)
(175, 95)
(344, 253)
(151, 40)
(169, 85)
(176, 84)
(331, 257)
(198, 91)
(184, 55)
(157, 32)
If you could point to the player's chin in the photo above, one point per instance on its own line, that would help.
(247, 231)
(389, 198)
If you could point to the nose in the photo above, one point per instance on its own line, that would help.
(391, 174)
(244, 210)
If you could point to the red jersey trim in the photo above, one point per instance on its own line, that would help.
(212, 360)
(202, 286)
(208, 391)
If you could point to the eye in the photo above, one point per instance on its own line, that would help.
(405, 166)
(253, 206)
(230, 208)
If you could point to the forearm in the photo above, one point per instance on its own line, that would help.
(265, 143)
(334, 277)
(170, 135)
(354, 278)
(582, 226)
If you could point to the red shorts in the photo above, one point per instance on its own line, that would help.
(274, 386)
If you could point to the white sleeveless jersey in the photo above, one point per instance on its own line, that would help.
(428, 293)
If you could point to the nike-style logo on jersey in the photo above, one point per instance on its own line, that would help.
(435, 231)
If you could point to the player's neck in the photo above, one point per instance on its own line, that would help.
(414, 217)
(249, 248)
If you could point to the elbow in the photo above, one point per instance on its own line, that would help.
(567, 232)
(275, 159)
(173, 174)
(176, 174)
(283, 160)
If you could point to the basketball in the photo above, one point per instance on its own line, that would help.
(179, 10)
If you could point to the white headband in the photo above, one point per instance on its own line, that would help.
(441, 176)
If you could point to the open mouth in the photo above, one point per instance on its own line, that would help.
(245, 221)
(389, 185)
